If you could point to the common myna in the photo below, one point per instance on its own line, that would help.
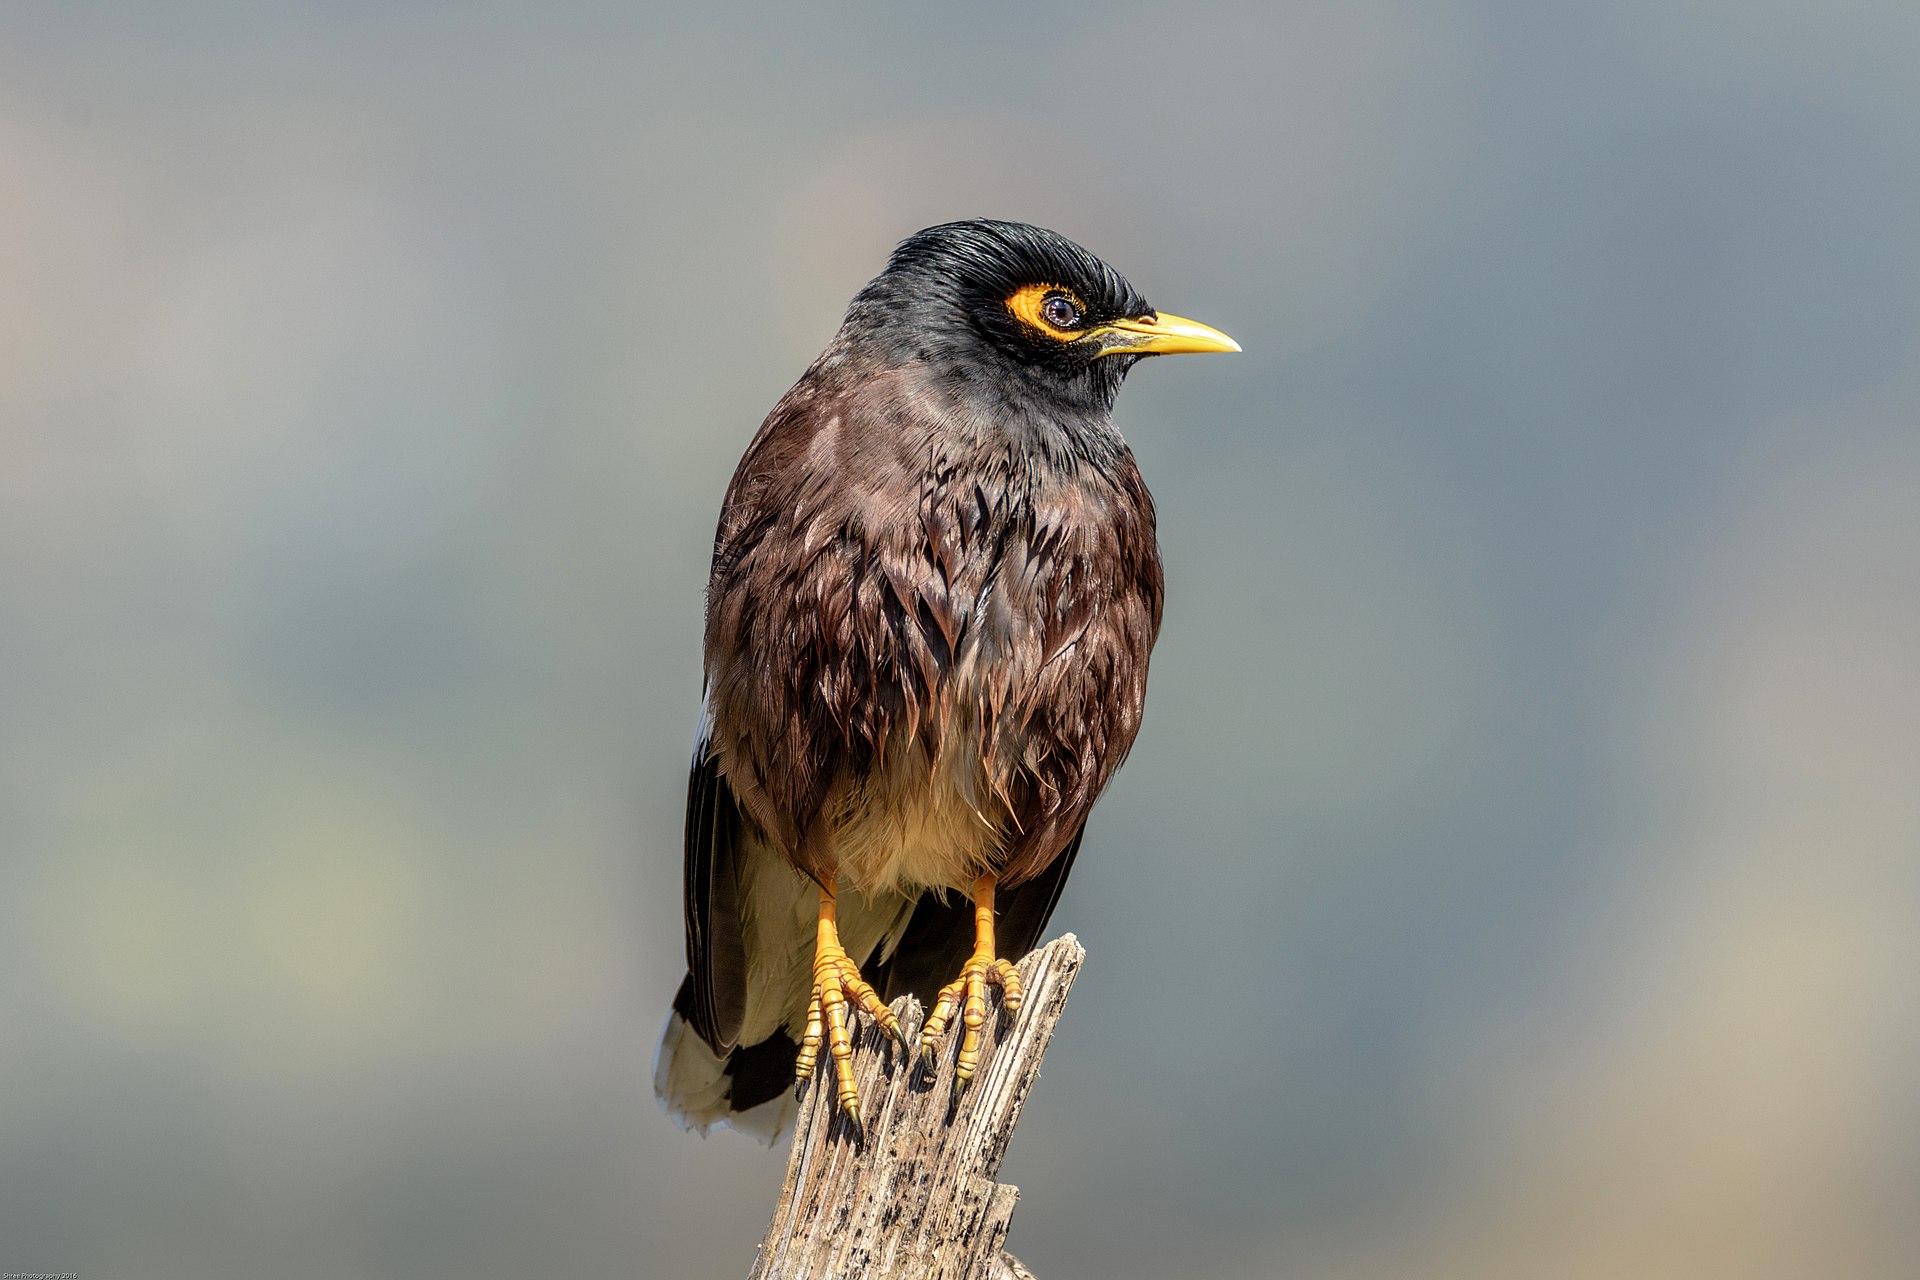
(935, 588)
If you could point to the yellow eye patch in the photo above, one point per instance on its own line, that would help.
(1031, 303)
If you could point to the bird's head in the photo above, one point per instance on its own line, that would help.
(1015, 306)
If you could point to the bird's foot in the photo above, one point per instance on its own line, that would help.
(967, 996)
(837, 984)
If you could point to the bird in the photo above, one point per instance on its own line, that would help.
(935, 588)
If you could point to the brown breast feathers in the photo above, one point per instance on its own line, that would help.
(896, 593)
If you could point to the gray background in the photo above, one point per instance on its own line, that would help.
(1518, 872)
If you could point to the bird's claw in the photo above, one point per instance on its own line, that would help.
(836, 985)
(967, 996)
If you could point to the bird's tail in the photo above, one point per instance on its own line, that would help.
(749, 1089)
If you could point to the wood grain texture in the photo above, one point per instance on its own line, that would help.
(914, 1194)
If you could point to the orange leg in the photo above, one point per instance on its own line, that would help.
(836, 983)
(967, 994)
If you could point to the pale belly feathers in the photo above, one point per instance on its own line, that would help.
(918, 823)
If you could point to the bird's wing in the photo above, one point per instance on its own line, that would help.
(716, 987)
(939, 937)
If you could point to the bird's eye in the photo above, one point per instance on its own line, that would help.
(1049, 311)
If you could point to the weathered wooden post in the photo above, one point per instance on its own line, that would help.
(914, 1196)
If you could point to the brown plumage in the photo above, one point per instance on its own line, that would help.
(934, 592)
(959, 598)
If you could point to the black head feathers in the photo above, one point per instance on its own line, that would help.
(1010, 298)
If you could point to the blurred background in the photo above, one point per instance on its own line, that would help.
(1521, 859)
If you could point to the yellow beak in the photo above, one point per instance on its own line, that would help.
(1160, 335)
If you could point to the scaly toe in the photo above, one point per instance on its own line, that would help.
(1007, 978)
(863, 994)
